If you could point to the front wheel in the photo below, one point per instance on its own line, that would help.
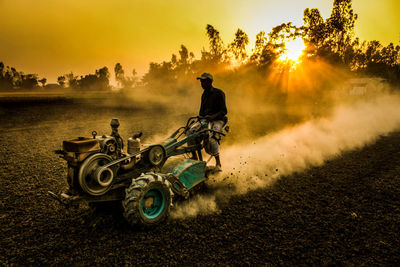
(147, 200)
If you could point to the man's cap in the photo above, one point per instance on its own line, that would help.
(205, 75)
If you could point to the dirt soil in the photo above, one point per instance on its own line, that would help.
(344, 212)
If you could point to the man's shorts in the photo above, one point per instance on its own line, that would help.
(211, 144)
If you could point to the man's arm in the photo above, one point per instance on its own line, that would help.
(201, 112)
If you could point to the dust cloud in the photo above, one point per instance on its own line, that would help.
(254, 164)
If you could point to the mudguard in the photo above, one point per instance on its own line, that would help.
(189, 172)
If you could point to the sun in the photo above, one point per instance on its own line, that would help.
(293, 50)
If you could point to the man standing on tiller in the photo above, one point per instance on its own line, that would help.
(213, 110)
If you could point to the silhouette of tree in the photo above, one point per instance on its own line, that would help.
(382, 61)
(174, 61)
(131, 81)
(103, 76)
(43, 81)
(373, 51)
(71, 80)
(315, 32)
(269, 54)
(267, 49)
(331, 39)
(61, 80)
(5, 79)
(238, 46)
(29, 81)
(11, 78)
(88, 82)
(184, 56)
(119, 74)
(174, 74)
(159, 75)
(390, 55)
(284, 32)
(260, 42)
(8, 76)
(217, 51)
(341, 25)
(98, 81)
(184, 66)
(16, 77)
(124, 81)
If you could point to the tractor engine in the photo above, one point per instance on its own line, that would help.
(85, 156)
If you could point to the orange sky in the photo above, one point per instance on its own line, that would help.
(53, 37)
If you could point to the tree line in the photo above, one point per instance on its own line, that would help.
(331, 40)
(10, 78)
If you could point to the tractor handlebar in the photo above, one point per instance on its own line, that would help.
(189, 122)
(211, 130)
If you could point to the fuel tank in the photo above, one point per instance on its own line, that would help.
(80, 145)
(77, 149)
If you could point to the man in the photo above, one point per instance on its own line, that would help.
(213, 110)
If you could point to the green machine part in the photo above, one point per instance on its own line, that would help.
(189, 172)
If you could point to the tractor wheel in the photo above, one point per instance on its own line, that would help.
(147, 200)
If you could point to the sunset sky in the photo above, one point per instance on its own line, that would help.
(54, 37)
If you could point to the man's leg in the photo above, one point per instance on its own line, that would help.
(194, 155)
(217, 161)
(214, 146)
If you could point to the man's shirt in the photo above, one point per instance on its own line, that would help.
(213, 103)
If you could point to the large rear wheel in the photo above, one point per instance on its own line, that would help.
(148, 200)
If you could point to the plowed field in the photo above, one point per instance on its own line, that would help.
(344, 212)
